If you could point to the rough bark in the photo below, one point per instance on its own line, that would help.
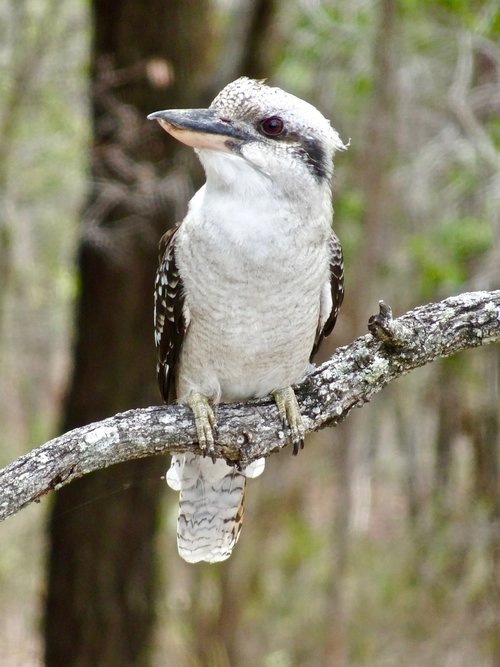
(248, 431)
(100, 596)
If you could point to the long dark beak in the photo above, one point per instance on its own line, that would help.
(199, 128)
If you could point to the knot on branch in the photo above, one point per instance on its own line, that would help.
(247, 432)
(387, 330)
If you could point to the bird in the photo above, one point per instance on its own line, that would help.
(248, 285)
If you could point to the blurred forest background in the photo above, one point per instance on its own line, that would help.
(380, 544)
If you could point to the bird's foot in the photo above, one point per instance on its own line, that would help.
(290, 416)
(204, 419)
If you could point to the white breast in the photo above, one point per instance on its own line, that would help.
(253, 276)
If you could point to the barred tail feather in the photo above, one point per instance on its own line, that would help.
(211, 505)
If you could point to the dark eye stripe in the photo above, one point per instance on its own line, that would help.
(310, 148)
(316, 157)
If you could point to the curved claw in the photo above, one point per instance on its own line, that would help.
(205, 423)
(289, 412)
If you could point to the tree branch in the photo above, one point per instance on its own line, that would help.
(248, 431)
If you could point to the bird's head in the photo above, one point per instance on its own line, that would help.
(282, 139)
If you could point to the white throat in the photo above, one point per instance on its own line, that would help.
(246, 204)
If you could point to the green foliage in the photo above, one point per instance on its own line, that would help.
(444, 257)
(348, 213)
(413, 591)
(494, 132)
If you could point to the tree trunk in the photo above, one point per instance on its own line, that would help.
(484, 428)
(100, 597)
(374, 170)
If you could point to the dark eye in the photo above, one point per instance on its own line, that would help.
(272, 126)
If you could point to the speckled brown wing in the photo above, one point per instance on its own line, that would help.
(337, 292)
(170, 324)
(211, 501)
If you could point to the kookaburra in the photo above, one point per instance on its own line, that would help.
(247, 287)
